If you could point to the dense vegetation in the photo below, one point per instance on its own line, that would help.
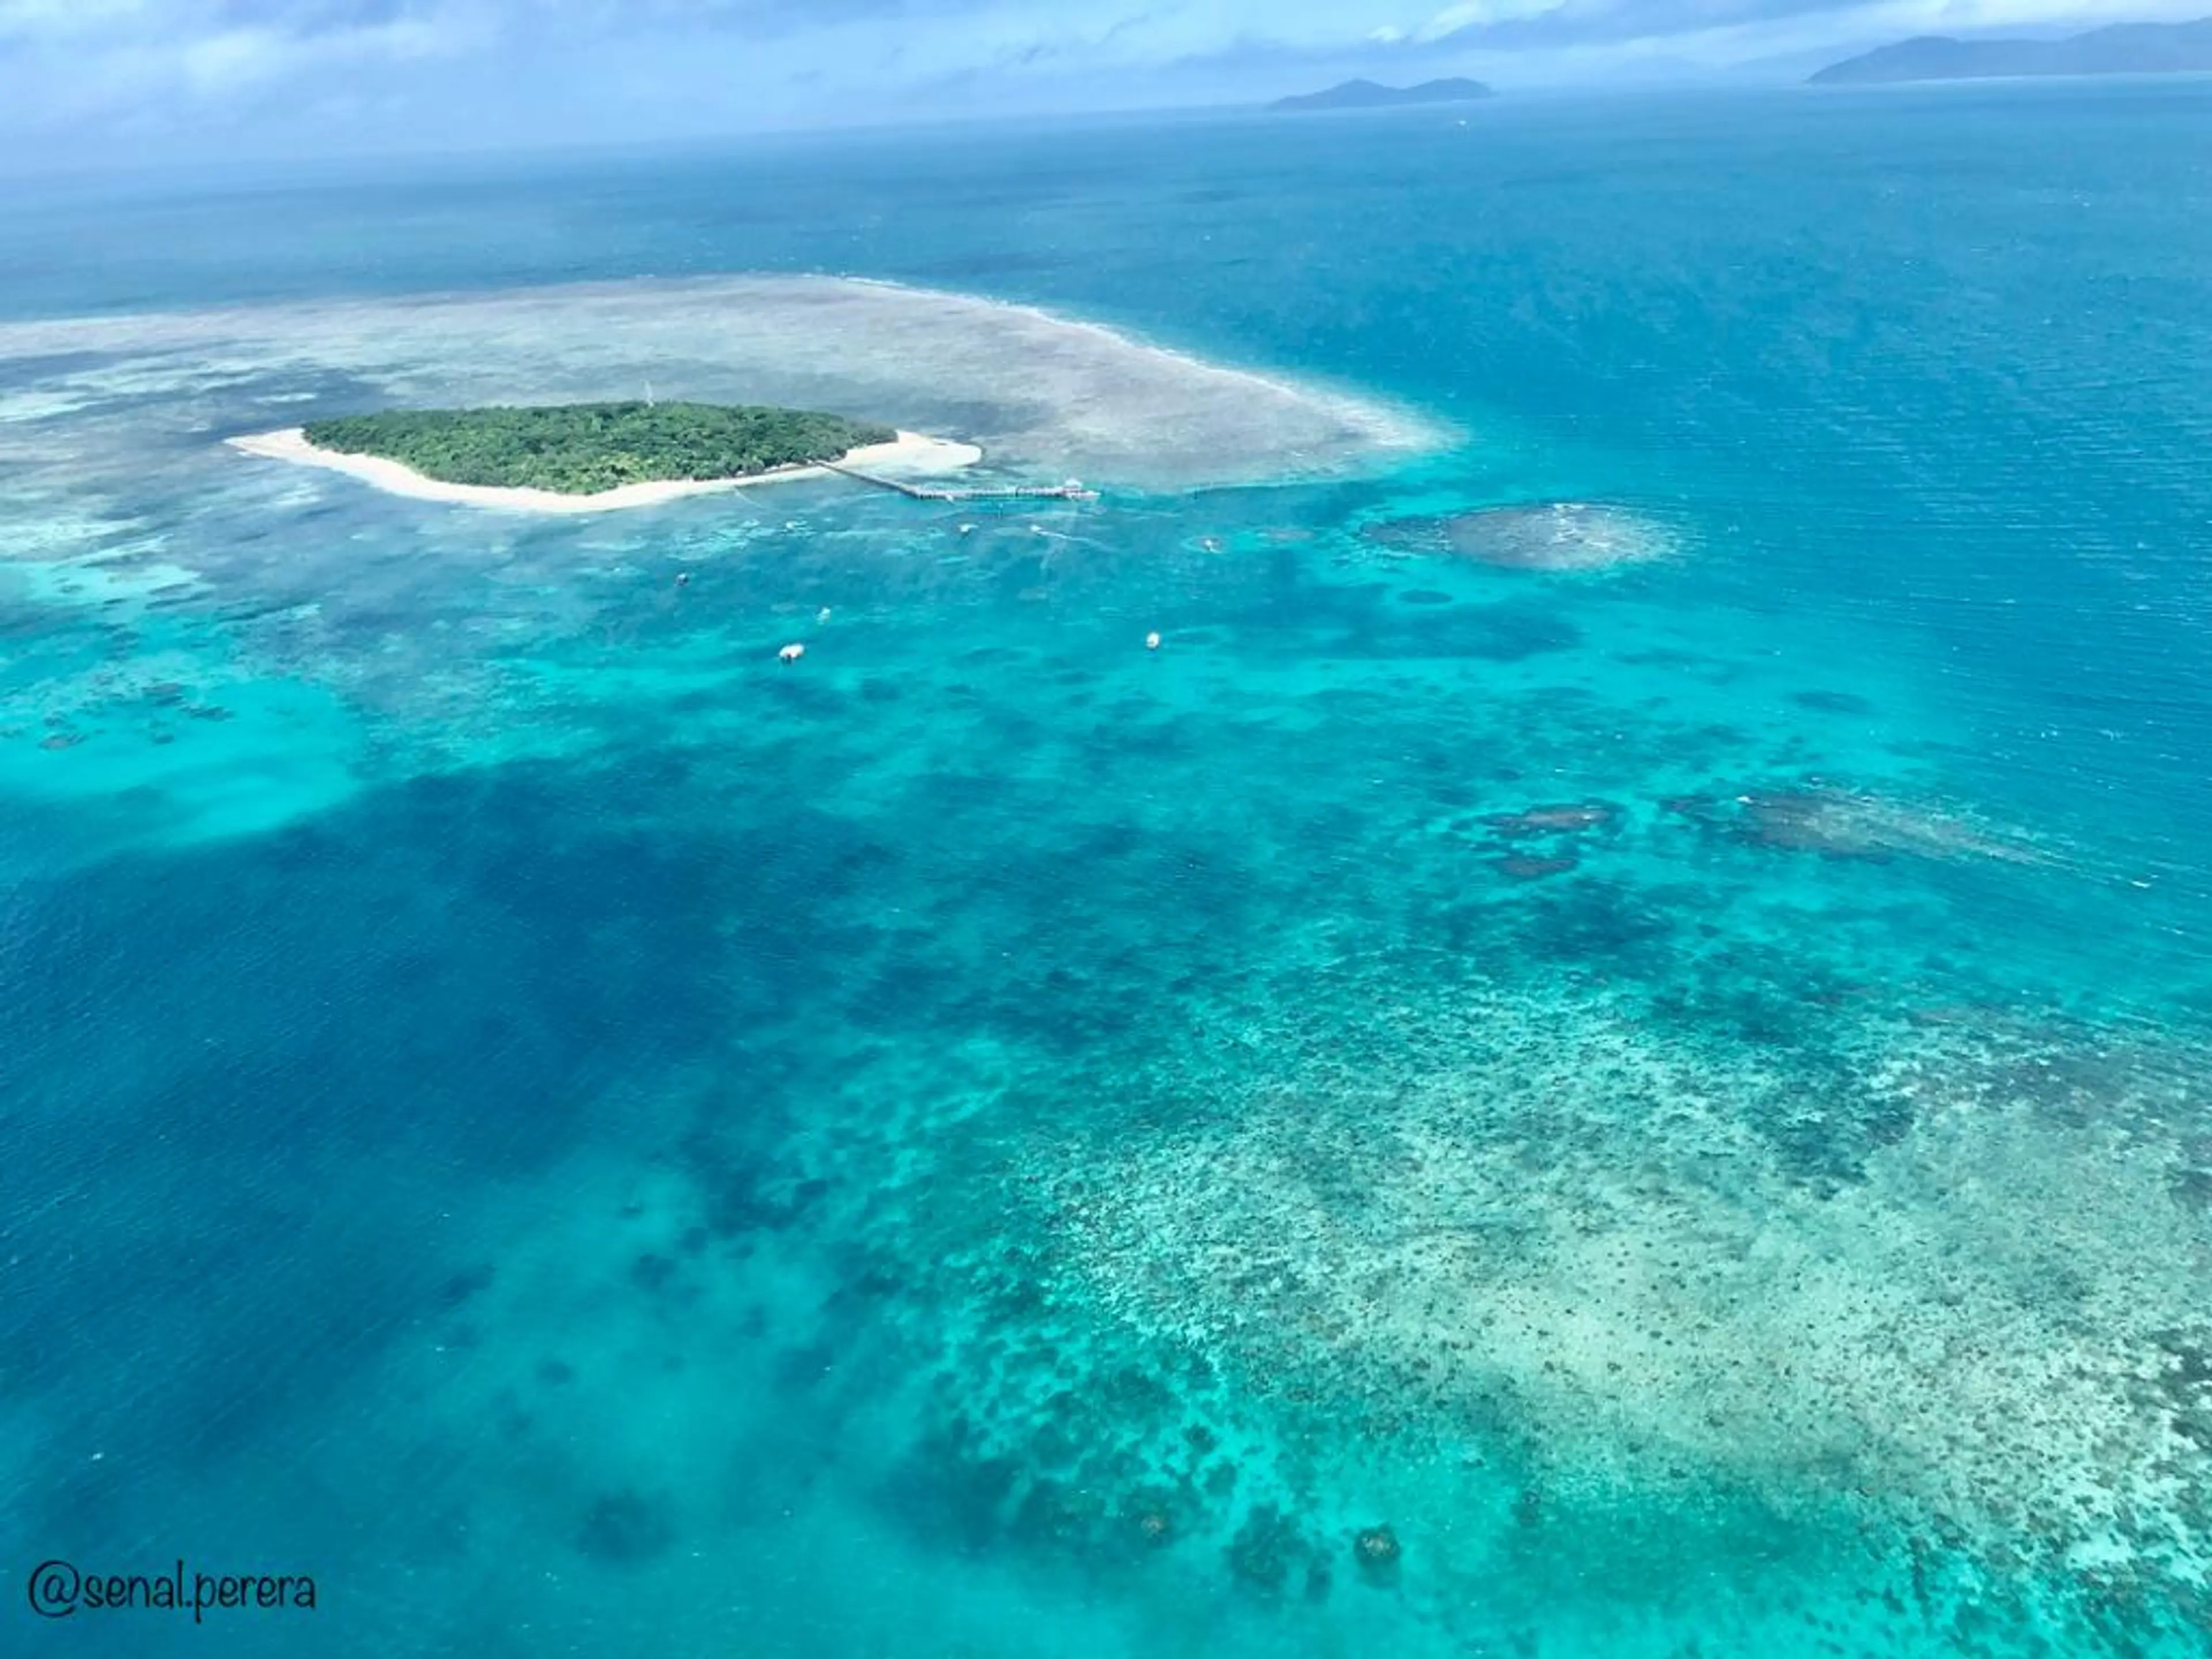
(582, 448)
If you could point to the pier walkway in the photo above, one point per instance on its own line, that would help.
(1070, 491)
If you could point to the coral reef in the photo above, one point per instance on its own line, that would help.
(1550, 536)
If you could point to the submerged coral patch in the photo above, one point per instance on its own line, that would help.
(1591, 1250)
(1542, 536)
(1845, 823)
(1553, 820)
(1521, 867)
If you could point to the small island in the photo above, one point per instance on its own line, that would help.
(580, 449)
(1369, 94)
(584, 457)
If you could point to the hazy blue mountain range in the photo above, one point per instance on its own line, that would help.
(2121, 49)
(1369, 95)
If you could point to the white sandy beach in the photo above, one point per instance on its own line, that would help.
(911, 454)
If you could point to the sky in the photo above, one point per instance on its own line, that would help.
(92, 80)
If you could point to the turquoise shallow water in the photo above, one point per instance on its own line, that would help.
(1676, 1088)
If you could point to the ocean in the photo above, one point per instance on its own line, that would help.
(1602, 1053)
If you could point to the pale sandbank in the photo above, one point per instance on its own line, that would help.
(911, 454)
(1047, 397)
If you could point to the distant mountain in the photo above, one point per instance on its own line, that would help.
(1366, 95)
(2122, 49)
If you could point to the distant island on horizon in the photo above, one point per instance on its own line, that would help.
(1371, 94)
(2117, 49)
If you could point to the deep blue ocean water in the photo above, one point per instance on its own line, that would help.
(997, 1141)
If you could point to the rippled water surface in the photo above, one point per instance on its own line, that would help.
(1603, 1053)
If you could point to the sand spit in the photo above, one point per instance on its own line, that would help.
(911, 454)
(1045, 396)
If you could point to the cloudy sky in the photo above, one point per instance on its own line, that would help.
(91, 80)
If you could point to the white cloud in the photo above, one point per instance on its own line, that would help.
(1473, 14)
(73, 72)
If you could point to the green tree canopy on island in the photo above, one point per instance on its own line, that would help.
(580, 449)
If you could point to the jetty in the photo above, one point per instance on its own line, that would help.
(1070, 491)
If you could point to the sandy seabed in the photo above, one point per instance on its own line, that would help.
(910, 455)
